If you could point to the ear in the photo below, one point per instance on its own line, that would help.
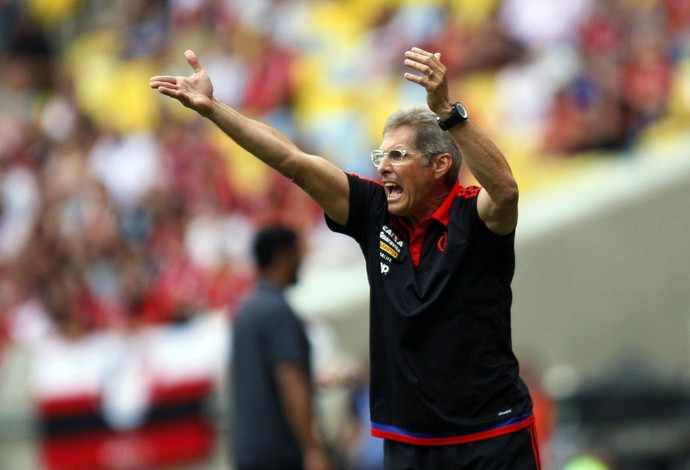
(442, 164)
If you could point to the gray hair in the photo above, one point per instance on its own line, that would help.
(429, 138)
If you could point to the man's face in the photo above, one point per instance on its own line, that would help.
(294, 257)
(409, 183)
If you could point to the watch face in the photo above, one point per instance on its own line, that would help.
(461, 110)
(458, 115)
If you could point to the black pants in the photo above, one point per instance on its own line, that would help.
(514, 451)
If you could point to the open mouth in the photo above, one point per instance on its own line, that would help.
(393, 190)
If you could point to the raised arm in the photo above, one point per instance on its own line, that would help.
(322, 180)
(498, 202)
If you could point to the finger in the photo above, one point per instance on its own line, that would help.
(192, 60)
(423, 57)
(172, 93)
(420, 67)
(163, 90)
(162, 80)
(419, 51)
(411, 77)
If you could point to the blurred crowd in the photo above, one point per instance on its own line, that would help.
(118, 209)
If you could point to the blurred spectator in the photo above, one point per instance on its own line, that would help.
(585, 115)
(540, 24)
(19, 191)
(129, 166)
(144, 26)
(647, 67)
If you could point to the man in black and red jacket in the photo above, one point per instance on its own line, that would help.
(445, 389)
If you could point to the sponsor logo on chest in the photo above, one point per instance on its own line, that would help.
(390, 247)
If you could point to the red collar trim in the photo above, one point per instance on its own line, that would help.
(442, 213)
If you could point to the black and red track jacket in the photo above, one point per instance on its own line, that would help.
(442, 367)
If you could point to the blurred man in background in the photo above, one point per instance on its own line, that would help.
(271, 379)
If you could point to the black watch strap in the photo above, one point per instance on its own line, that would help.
(458, 115)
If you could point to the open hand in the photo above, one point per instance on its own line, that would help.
(433, 78)
(195, 91)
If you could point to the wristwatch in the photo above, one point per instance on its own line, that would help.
(457, 115)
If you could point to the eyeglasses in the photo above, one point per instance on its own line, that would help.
(395, 156)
